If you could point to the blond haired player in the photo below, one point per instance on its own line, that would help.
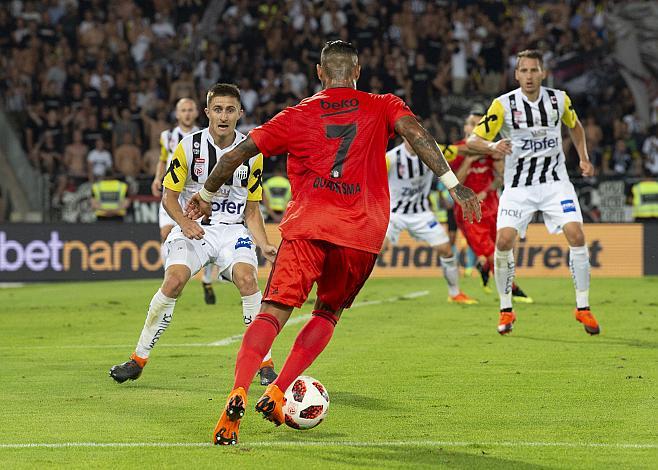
(229, 241)
(530, 119)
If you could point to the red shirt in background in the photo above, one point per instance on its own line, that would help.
(336, 142)
(479, 178)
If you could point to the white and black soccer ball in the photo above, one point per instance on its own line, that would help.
(307, 403)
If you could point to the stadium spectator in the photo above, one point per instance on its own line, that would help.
(75, 158)
(109, 199)
(128, 158)
(125, 126)
(650, 151)
(99, 161)
(276, 194)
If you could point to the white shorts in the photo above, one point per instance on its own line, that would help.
(222, 245)
(163, 217)
(423, 226)
(557, 202)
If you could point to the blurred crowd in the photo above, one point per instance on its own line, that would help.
(90, 84)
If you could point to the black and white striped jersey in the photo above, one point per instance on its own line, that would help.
(534, 129)
(409, 181)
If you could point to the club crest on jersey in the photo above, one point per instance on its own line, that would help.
(243, 242)
(553, 99)
(568, 205)
(517, 115)
(242, 172)
(199, 166)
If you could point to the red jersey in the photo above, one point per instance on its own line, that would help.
(336, 144)
(479, 178)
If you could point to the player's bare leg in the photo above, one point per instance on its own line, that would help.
(580, 272)
(504, 275)
(451, 275)
(256, 342)
(310, 342)
(245, 278)
(158, 318)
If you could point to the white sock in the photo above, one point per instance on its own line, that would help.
(160, 313)
(250, 308)
(207, 274)
(580, 271)
(504, 275)
(451, 274)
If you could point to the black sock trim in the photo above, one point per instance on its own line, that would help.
(506, 310)
(580, 309)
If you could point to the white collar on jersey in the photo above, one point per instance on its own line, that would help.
(236, 136)
(525, 98)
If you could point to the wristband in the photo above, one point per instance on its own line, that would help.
(449, 179)
(206, 195)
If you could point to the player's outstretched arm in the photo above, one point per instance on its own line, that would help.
(477, 144)
(199, 204)
(578, 137)
(429, 152)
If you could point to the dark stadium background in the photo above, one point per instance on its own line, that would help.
(111, 68)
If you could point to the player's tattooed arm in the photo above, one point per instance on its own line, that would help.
(197, 206)
(228, 163)
(429, 152)
(423, 144)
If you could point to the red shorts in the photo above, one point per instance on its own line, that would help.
(480, 236)
(340, 273)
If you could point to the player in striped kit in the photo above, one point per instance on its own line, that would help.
(410, 183)
(186, 115)
(228, 241)
(529, 120)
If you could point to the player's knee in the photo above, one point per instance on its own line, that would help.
(174, 281)
(245, 280)
(444, 250)
(575, 237)
(504, 242)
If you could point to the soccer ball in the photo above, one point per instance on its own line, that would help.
(307, 403)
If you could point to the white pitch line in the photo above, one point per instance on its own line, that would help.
(224, 341)
(605, 445)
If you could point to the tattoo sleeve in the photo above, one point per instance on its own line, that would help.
(228, 163)
(423, 144)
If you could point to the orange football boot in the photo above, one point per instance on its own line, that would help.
(506, 322)
(463, 299)
(228, 426)
(271, 405)
(589, 322)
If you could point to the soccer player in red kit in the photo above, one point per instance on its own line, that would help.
(483, 174)
(335, 223)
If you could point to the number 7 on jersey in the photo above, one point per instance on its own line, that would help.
(346, 133)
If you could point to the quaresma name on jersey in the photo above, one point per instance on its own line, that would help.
(169, 139)
(410, 182)
(336, 141)
(195, 157)
(535, 132)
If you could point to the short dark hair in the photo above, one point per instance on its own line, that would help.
(530, 54)
(338, 59)
(223, 89)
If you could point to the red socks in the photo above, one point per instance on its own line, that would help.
(310, 342)
(257, 341)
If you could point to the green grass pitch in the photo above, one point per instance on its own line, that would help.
(413, 382)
